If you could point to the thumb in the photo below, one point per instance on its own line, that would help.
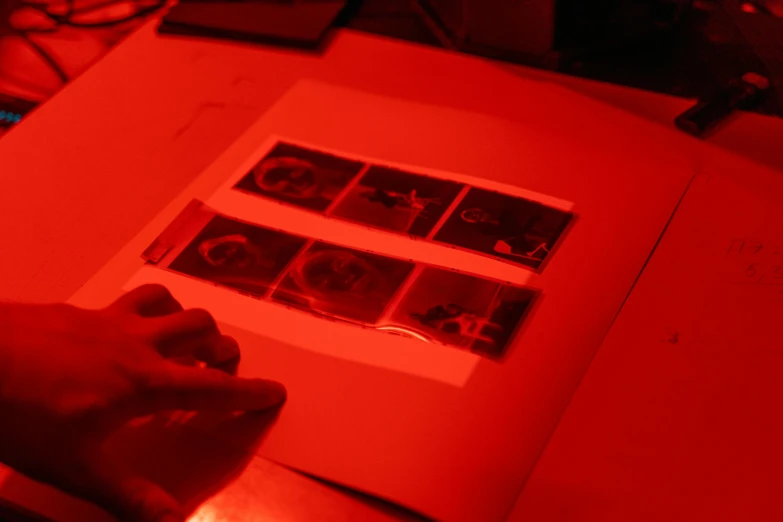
(126, 495)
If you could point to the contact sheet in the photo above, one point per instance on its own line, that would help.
(430, 284)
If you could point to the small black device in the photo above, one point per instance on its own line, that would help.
(296, 24)
(707, 114)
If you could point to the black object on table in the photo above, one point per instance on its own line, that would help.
(301, 24)
(709, 113)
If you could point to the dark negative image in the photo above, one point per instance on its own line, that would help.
(396, 200)
(238, 255)
(464, 311)
(302, 177)
(504, 226)
(342, 282)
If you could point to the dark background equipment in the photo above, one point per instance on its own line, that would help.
(688, 48)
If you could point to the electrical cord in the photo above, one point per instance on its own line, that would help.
(71, 18)
(47, 58)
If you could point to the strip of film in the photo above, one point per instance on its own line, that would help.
(510, 228)
(388, 294)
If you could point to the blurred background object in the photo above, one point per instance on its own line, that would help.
(303, 25)
(44, 44)
(688, 48)
(544, 31)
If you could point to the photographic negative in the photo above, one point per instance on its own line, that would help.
(303, 177)
(508, 227)
(238, 255)
(342, 282)
(463, 310)
(396, 200)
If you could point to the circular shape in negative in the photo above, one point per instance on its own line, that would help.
(330, 272)
(477, 215)
(288, 176)
(234, 251)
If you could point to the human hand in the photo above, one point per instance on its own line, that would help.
(71, 377)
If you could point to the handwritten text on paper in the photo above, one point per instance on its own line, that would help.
(756, 263)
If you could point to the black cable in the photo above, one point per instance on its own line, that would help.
(67, 20)
(71, 11)
(141, 13)
(50, 61)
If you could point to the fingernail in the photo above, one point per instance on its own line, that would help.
(274, 393)
(227, 350)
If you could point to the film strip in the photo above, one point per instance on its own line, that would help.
(370, 290)
(506, 227)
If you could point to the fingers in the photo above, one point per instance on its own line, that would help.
(214, 350)
(147, 301)
(190, 333)
(127, 496)
(187, 325)
(166, 319)
(176, 333)
(195, 389)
